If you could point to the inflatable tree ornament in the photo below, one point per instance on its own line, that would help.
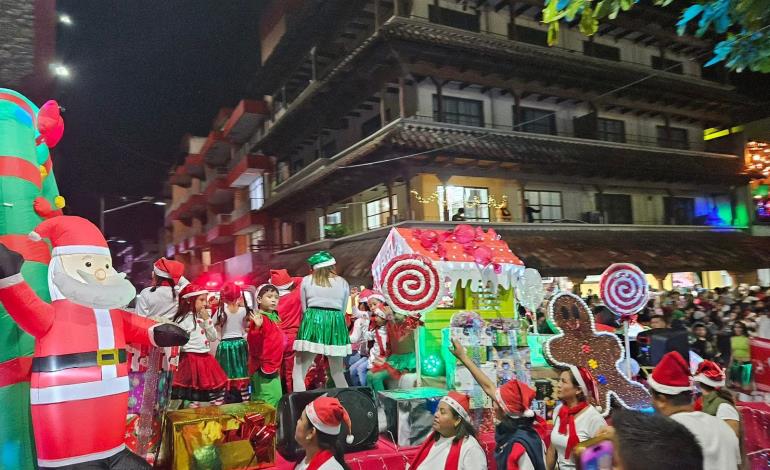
(28, 194)
(579, 344)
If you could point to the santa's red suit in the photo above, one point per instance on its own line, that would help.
(79, 383)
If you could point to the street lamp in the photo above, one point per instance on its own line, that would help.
(103, 210)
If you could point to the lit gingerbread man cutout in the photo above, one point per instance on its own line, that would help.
(579, 344)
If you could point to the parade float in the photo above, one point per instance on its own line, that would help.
(29, 195)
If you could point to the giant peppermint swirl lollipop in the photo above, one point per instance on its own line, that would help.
(624, 289)
(411, 284)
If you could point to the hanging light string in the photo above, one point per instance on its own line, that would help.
(475, 201)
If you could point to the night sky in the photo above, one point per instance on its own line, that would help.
(144, 73)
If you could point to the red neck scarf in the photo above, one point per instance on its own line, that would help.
(567, 425)
(319, 459)
(384, 351)
(452, 460)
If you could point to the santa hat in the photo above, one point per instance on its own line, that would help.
(709, 373)
(192, 290)
(586, 383)
(280, 279)
(327, 414)
(71, 235)
(322, 259)
(671, 376)
(376, 295)
(363, 297)
(460, 403)
(230, 292)
(515, 398)
(169, 269)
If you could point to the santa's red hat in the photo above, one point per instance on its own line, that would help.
(709, 373)
(376, 295)
(586, 382)
(671, 376)
(71, 235)
(460, 403)
(192, 290)
(363, 297)
(169, 269)
(327, 414)
(515, 398)
(281, 279)
(230, 292)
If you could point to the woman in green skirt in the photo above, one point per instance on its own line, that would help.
(323, 330)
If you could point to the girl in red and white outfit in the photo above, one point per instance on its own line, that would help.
(317, 433)
(453, 444)
(200, 378)
(576, 419)
(232, 353)
(716, 400)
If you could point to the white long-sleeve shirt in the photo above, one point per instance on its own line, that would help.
(335, 297)
(358, 334)
(721, 450)
(202, 333)
(161, 303)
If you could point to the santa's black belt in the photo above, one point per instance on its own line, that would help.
(102, 357)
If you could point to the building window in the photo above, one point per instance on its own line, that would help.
(615, 207)
(328, 150)
(456, 19)
(547, 202)
(611, 130)
(329, 224)
(538, 121)
(475, 202)
(676, 139)
(257, 238)
(601, 51)
(257, 193)
(378, 212)
(673, 66)
(460, 111)
(529, 35)
(679, 210)
(283, 172)
(370, 126)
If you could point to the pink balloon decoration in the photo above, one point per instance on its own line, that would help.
(464, 234)
(50, 123)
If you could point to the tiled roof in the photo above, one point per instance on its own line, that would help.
(551, 153)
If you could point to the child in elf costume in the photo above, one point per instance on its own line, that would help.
(199, 377)
(232, 352)
(266, 346)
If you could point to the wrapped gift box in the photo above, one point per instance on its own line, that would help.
(220, 437)
(409, 413)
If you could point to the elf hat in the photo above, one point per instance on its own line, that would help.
(515, 398)
(168, 269)
(192, 290)
(671, 376)
(586, 383)
(460, 403)
(709, 373)
(280, 279)
(327, 414)
(71, 235)
(322, 259)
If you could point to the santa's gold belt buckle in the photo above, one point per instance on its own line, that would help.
(107, 357)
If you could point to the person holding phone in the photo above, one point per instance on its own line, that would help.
(519, 434)
(576, 420)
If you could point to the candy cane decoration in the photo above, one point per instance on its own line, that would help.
(411, 284)
(624, 289)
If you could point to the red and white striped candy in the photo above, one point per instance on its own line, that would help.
(411, 284)
(624, 289)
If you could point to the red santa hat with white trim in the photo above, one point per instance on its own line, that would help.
(671, 376)
(460, 403)
(281, 279)
(587, 383)
(709, 373)
(327, 414)
(168, 269)
(71, 235)
(515, 398)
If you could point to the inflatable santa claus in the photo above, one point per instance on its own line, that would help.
(79, 382)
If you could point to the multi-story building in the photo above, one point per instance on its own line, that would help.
(385, 112)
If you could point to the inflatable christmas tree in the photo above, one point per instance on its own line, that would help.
(28, 195)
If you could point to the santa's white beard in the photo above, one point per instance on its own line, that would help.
(115, 292)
